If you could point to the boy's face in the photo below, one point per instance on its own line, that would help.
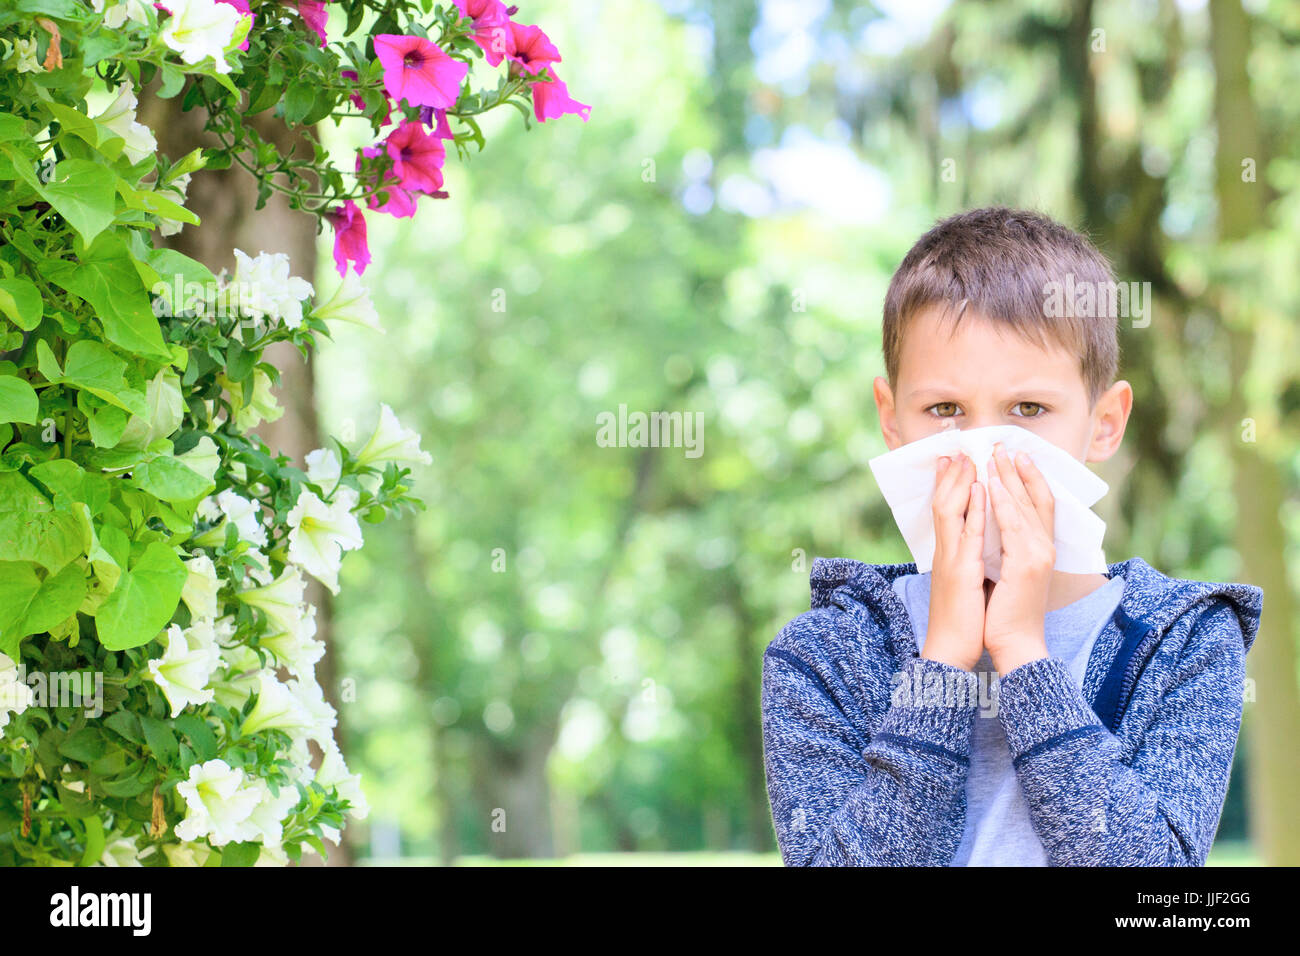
(981, 373)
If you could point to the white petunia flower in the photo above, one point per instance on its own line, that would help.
(280, 600)
(187, 854)
(15, 695)
(119, 117)
(25, 49)
(333, 772)
(323, 466)
(266, 288)
(121, 852)
(272, 856)
(393, 442)
(320, 533)
(300, 756)
(277, 708)
(245, 515)
(122, 10)
(187, 665)
(295, 649)
(208, 509)
(234, 690)
(268, 816)
(350, 303)
(324, 718)
(217, 804)
(256, 402)
(176, 191)
(198, 29)
(201, 586)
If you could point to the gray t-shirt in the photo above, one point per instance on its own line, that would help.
(998, 831)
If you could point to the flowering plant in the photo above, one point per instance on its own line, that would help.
(158, 699)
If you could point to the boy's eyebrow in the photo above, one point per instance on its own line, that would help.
(1042, 391)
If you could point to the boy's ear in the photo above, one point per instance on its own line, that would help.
(884, 396)
(1110, 418)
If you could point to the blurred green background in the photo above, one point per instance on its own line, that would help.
(569, 639)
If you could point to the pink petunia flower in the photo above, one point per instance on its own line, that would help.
(313, 14)
(359, 101)
(491, 26)
(400, 203)
(417, 157)
(442, 129)
(531, 48)
(416, 70)
(551, 101)
(240, 5)
(349, 238)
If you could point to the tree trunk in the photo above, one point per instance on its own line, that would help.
(224, 201)
(516, 794)
(1273, 718)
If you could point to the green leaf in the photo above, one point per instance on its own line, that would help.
(127, 724)
(102, 44)
(93, 367)
(32, 530)
(19, 586)
(240, 854)
(136, 781)
(76, 122)
(64, 477)
(151, 201)
(30, 606)
(106, 278)
(18, 401)
(298, 100)
(46, 363)
(13, 129)
(94, 841)
(106, 422)
(168, 479)
(21, 302)
(200, 734)
(84, 745)
(173, 78)
(144, 600)
(83, 193)
(161, 739)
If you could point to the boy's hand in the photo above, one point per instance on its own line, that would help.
(1023, 506)
(956, 629)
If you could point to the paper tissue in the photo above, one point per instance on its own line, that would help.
(906, 477)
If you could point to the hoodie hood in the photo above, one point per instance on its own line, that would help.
(1151, 599)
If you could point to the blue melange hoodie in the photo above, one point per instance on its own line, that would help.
(1133, 771)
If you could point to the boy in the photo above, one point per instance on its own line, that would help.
(1118, 697)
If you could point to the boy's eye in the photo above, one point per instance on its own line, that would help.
(952, 405)
(1034, 405)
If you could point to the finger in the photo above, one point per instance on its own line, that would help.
(946, 507)
(1040, 493)
(1008, 516)
(937, 503)
(971, 547)
(1011, 478)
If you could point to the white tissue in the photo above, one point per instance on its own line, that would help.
(906, 477)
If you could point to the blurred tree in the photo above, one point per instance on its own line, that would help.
(1258, 479)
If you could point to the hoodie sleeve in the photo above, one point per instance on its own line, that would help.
(837, 799)
(1091, 804)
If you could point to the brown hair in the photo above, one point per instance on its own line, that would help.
(999, 262)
